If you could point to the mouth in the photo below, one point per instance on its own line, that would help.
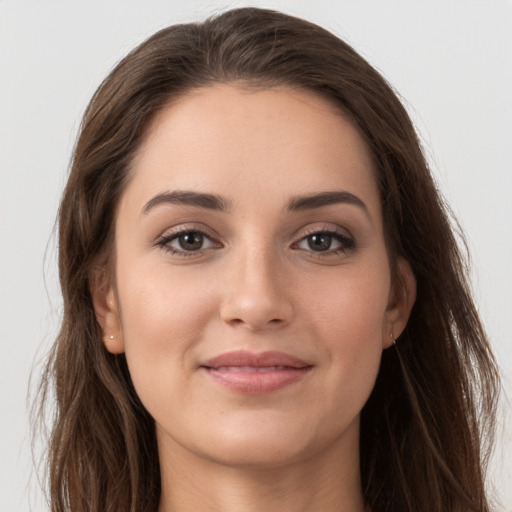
(253, 374)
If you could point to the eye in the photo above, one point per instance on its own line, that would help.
(186, 242)
(191, 241)
(331, 242)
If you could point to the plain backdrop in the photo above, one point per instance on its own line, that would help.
(451, 62)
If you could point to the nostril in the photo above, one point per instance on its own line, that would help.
(256, 324)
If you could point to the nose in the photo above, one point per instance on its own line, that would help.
(257, 293)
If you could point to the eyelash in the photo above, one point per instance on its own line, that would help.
(165, 240)
(347, 242)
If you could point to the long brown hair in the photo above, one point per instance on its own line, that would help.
(427, 426)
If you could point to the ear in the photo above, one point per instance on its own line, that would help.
(106, 309)
(401, 301)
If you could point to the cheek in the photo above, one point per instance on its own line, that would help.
(163, 317)
(350, 306)
(158, 305)
(348, 316)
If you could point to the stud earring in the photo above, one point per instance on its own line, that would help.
(106, 339)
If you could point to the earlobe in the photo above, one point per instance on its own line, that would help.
(106, 310)
(400, 304)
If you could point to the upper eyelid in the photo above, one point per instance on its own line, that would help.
(299, 235)
(331, 229)
(179, 229)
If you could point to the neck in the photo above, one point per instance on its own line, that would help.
(323, 483)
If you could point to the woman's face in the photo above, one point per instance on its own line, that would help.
(252, 292)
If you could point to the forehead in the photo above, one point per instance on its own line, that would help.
(264, 144)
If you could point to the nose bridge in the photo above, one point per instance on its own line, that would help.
(256, 295)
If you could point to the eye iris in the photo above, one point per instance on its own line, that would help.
(191, 241)
(321, 242)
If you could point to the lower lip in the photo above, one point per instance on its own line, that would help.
(257, 381)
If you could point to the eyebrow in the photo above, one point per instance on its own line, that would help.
(311, 201)
(219, 203)
(199, 199)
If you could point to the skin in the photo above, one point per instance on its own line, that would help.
(255, 284)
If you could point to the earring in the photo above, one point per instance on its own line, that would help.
(106, 339)
(392, 338)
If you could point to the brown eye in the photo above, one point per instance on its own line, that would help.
(319, 242)
(191, 241)
(327, 242)
(187, 242)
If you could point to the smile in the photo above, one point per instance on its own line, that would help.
(253, 374)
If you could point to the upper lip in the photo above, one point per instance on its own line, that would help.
(257, 360)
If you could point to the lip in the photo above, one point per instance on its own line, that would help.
(251, 373)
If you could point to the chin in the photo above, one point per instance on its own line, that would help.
(258, 453)
(264, 443)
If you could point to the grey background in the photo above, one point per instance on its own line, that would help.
(451, 61)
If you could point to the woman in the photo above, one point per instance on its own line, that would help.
(264, 303)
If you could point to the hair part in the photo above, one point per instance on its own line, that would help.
(428, 424)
